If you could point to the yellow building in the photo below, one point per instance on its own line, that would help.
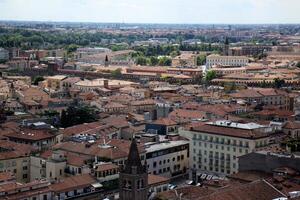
(54, 82)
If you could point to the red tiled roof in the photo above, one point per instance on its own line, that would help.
(6, 176)
(157, 180)
(188, 193)
(89, 128)
(165, 121)
(259, 189)
(187, 115)
(14, 150)
(31, 134)
(73, 182)
(258, 92)
(229, 131)
(292, 125)
(119, 148)
(106, 166)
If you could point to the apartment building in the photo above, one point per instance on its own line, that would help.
(216, 146)
(168, 159)
(52, 168)
(4, 54)
(266, 96)
(54, 82)
(15, 158)
(230, 61)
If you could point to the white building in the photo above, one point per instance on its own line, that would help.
(4, 54)
(87, 51)
(168, 158)
(216, 146)
(230, 61)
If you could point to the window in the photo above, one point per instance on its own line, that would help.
(247, 144)
(24, 175)
(154, 164)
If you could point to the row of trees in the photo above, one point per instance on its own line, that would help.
(200, 47)
(154, 61)
(157, 50)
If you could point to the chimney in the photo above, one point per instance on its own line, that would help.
(105, 83)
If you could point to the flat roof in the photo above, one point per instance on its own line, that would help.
(164, 145)
(230, 124)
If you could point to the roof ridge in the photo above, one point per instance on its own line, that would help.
(269, 184)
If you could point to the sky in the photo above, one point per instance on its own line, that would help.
(154, 11)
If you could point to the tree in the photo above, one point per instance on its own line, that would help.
(38, 79)
(165, 61)
(210, 75)
(173, 54)
(63, 119)
(72, 48)
(278, 83)
(153, 61)
(77, 115)
(117, 73)
(141, 60)
(201, 60)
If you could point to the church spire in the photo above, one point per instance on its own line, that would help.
(133, 179)
(134, 164)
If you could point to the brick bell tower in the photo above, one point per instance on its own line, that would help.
(133, 177)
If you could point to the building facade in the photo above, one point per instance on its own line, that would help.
(168, 159)
(216, 146)
(4, 54)
(230, 61)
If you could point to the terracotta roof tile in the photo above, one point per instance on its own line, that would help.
(73, 182)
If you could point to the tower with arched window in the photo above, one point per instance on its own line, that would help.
(134, 177)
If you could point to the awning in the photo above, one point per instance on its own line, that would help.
(97, 185)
